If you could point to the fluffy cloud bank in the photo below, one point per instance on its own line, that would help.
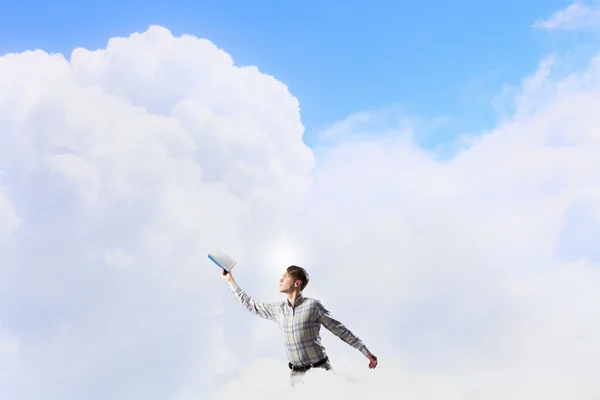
(121, 168)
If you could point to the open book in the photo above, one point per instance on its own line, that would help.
(222, 260)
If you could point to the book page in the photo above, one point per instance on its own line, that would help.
(223, 259)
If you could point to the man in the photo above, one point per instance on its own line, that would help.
(299, 320)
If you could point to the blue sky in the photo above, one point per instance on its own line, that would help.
(429, 59)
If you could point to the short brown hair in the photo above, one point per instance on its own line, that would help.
(298, 273)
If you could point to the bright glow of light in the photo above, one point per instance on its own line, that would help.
(283, 253)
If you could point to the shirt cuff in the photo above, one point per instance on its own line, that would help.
(363, 349)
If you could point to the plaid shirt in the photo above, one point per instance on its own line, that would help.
(300, 325)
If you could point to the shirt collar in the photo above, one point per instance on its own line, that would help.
(298, 301)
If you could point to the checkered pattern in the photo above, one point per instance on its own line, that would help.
(300, 325)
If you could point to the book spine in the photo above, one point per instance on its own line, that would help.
(218, 263)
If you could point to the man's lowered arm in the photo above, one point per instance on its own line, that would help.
(340, 330)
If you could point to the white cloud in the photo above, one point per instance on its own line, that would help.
(575, 16)
(153, 150)
(118, 258)
(76, 169)
(11, 379)
(470, 277)
(9, 220)
(467, 268)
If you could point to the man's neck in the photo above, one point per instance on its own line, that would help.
(292, 297)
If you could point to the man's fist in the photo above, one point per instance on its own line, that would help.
(226, 275)
(373, 362)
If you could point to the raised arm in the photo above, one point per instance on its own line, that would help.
(340, 330)
(263, 310)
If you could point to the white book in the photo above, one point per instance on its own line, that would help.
(222, 260)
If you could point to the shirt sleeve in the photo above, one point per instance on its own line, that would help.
(339, 330)
(263, 310)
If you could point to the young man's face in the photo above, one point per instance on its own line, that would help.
(286, 283)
